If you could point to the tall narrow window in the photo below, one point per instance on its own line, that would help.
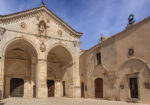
(98, 55)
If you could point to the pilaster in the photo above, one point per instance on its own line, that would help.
(2, 77)
(41, 79)
(77, 88)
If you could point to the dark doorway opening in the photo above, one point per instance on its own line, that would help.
(34, 91)
(64, 91)
(133, 87)
(51, 88)
(16, 87)
(82, 89)
(99, 88)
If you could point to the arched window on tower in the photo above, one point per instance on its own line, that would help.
(42, 28)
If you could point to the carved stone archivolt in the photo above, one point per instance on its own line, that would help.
(42, 47)
(60, 33)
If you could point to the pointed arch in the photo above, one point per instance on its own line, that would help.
(60, 62)
(19, 56)
(64, 46)
(137, 60)
(27, 41)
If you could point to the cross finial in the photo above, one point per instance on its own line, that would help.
(42, 3)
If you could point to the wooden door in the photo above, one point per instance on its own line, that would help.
(82, 89)
(16, 87)
(51, 87)
(99, 88)
(133, 88)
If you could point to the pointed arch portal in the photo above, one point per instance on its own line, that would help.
(60, 70)
(19, 69)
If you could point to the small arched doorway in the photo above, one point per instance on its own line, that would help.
(99, 88)
(19, 69)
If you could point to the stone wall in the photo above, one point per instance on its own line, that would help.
(117, 64)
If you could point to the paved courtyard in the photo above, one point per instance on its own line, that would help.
(61, 101)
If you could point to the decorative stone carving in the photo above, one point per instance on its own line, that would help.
(38, 18)
(23, 25)
(48, 20)
(76, 43)
(147, 85)
(121, 86)
(2, 31)
(131, 52)
(42, 28)
(60, 33)
(43, 47)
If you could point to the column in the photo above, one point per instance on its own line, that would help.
(58, 88)
(41, 79)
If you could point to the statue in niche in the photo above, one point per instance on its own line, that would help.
(42, 28)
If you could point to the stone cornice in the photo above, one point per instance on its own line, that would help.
(7, 19)
(62, 22)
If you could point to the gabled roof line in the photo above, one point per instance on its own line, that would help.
(116, 35)
(16, 13)
(62, 21)
(41, 8)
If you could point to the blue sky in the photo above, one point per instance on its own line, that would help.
(91, 17)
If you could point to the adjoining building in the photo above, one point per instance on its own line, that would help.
(117, 68)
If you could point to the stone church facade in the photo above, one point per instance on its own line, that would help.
(40, 57)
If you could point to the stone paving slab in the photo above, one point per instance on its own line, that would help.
(62, 101)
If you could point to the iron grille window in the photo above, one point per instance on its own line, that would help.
(98, 55)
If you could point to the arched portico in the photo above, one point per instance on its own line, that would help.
(20, 58)
(60, 70)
